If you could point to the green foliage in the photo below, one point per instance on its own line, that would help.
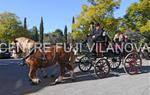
(137, 17)
(25, 30)
(98, 11)
(138, 14)
(25, 25)
(73, 21)
(58, 32)
(10, 27)
(77, 36)
(34, 34)
(41, 30)
(146, 27)
(65, 34)
(57, 36)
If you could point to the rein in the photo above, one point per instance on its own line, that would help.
(29, 54)
(43, 54)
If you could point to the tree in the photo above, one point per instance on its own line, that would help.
(35, 35)
(10, 26)
(41, 30)
(137, 17)
(25, 30)
(58, 32)
(138, 14)
(97, 11)
(25, 25)
(65, 34)
(73, 21)
(57, 36)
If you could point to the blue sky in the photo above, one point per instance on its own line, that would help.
(56, 13)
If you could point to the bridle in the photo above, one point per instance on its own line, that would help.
(32, 51)
(43, 54)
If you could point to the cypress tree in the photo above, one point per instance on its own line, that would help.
(73, 21)
(41, 30)
(25, 26)
(36, 35)
(65, 34)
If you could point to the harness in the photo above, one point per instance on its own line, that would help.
(44, 57)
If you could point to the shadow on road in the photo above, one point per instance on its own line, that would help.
(14, 79)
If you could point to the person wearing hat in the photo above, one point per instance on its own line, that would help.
(96, 33)
(96, 37)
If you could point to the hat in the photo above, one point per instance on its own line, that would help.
(92, 23)
(97, 24)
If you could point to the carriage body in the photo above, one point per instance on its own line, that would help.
(130, 60)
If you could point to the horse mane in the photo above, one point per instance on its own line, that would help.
(24, 38)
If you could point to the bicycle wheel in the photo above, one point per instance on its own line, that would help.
(85, 63)
(133, 63)
(102, 68)
(114, 62)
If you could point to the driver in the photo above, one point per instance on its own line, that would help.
(97, 37)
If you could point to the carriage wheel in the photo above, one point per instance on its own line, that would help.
(102, 68)
(132, 63)
(114, 62)
(85, 64)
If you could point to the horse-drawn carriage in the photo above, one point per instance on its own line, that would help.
(103, 63)
(111, 60)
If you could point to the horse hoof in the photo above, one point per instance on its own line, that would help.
(32, 83)
(35, 81)
(73, 80)
(55, 83)
(29, 80)
(45, 77)
(52, 76)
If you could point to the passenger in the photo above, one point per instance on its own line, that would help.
(119, 41)
(121, 37)
(116, 38)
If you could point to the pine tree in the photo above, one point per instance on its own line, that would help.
(41, 30)
(65, 34)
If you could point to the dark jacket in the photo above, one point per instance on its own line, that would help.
(97, 33)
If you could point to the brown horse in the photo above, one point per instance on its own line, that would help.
(42, 58)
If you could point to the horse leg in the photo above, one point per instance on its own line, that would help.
(71, 65)
(61, 75)
(70, 68)
(44, 72)
(32, 75)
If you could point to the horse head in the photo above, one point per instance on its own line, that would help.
(16, 48)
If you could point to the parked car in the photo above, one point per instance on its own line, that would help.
(5, 55)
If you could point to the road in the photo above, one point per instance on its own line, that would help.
(14, 81)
